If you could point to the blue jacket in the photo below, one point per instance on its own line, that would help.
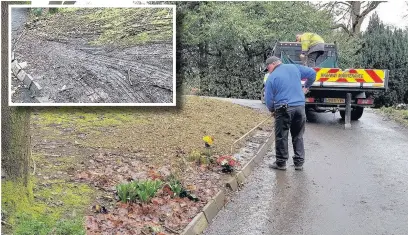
(284, 86)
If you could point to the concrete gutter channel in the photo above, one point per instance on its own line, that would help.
(202, 220)
(18, 71)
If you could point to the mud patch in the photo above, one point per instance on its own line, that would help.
(77, 58)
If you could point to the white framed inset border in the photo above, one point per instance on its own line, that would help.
(118, 5)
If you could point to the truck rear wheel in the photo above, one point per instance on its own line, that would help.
(356, 113)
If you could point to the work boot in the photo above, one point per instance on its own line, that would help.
(299, 167)
(278, 166)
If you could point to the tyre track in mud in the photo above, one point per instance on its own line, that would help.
(71, 72)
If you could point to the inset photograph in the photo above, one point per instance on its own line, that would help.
(92, 56)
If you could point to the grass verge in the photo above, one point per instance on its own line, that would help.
(400, 116)
(161, 133)
(110, 26)
(44, 208)
(81, 153)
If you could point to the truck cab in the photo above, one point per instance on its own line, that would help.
(333, 85)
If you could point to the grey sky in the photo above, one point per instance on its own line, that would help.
(391, 13)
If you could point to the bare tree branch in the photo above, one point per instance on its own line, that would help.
(371, 7)
(344, 27)
(343, 16)
(347, 4)
(350, 14)
(331, 6)
(343, 8)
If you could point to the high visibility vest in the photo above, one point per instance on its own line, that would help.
(265, 78)
(310, 39)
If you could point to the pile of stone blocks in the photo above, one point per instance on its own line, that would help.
(18, 71)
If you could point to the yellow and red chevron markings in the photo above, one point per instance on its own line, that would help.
(350, 76)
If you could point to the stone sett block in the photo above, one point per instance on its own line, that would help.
(247, 169)
(44, 100)
(232, 184)
(265, 147)
(196, 226)
(15, 68)
(210, 210)
(220, 199)
(257, 159)
(23, 65)
(35, 88)
(240, 177)
(21, 75)
(27, 80)
(252, 145)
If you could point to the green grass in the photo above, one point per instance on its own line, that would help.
(129, 129)
(42, 226)
(398, 115)
(132, 26)
(54, 209)
(122, 27)
(85, 120)
(68, 9)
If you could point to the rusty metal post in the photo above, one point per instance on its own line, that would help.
(347, 119)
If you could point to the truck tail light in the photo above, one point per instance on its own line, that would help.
(310, 100)
(365, 101)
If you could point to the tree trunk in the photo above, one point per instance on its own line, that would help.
(358, 13)
(355, 19)
(15, 121)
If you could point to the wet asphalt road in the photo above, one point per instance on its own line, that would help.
(354, 182)
(19, 16)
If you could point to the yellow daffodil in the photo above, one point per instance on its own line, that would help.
(208, 139)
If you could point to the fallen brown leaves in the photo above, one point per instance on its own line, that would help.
(147, 145)
(164, 212)
(106, 170)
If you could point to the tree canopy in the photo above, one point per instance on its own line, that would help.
(224, 43)
(387, 48)
(221, 45)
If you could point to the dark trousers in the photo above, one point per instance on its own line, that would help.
(293, 119)
(312, 58)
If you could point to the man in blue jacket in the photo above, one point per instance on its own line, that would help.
(285, 98)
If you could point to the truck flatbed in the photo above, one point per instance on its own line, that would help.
(335, 89)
